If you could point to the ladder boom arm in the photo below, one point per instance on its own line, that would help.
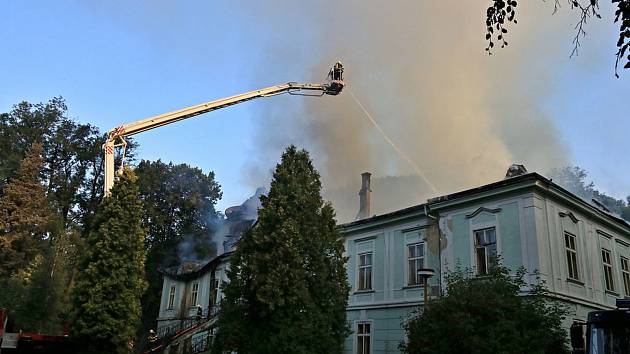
(189, 112)
(116, 136)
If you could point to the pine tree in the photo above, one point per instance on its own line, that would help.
(288, 287)
(24, 215)
(106, 297)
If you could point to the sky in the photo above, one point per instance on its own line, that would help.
(412, 66)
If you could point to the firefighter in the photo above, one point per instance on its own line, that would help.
(152, 336)
(337, 71)
(199, 313)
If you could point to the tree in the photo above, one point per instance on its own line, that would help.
(179, 202)
(106, 297)
(574, 179)
(287, 290)
(479, 315)
(72, 152)
(501, 12)
(25, 215)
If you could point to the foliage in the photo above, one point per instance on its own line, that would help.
(288, 288)
(488, 314)
(25, 215)
(573, 178)
(106, 297)
(179, 201)
(497, 15)
(500, 12)
(69, 191)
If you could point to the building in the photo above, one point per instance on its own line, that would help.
(580, 250)
(191, 292)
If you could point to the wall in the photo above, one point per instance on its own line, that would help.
(554, 218)
(391, 300)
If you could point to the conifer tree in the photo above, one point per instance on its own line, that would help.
(106, 297)
(24, 215)
(287, 290)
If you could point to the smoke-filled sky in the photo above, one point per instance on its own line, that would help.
(418, 67)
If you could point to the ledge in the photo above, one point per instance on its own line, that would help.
(419, 287)
(613, 293)
(359, 292)
(575, 281)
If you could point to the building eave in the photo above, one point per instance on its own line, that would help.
(197, 273)
(376, 221)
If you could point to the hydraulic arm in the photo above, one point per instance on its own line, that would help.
(116, 136)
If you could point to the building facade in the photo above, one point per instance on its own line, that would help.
(580, 250)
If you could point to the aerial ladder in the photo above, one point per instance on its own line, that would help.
(116, 137)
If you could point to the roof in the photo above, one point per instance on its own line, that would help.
(527, 180)
(183, 273)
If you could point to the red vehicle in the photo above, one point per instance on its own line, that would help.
(27, 342)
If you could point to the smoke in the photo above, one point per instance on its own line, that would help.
(420, 70)
(227, 229)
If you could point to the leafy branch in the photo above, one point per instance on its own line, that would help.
(622, 14)
(500, 12)
(497, 16)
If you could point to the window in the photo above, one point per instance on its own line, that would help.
(171, 297)
(485, 249)
(214, 290)
(625, 272)
(363, 338)
(572, 260)
(415, 261)
(608, 270)
(365, 271)
(193, 294)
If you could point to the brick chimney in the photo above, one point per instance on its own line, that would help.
(365, 196)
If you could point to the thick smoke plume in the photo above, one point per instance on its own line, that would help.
(419, 67)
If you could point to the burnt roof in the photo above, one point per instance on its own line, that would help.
(531, 176)
(187, 273)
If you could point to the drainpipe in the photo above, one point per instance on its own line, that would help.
(437, 222)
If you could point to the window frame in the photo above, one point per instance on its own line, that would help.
(418, 281)
(359, 337)
(194, 293)
(363, 268)
(609, 270)
(170, 305)
(477, 247)
(214, 291)
(625, 273)
(574, 252)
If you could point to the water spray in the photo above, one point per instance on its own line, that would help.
(400, 153)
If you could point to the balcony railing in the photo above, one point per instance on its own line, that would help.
(179, 325)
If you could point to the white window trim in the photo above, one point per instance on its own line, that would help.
(216, 299)
(580, 271)
(192, 287)
(626, 288)
(355, 341)
(358, 269)
(610, 264)
(473, 248)
(172, 290)
(407, 259)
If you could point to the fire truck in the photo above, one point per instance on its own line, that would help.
(30, 342)
(604, 332)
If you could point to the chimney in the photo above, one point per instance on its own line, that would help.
(365, 196)
(515, 170)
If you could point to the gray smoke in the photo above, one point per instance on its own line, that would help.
(420, 69)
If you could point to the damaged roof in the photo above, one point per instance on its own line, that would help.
(517, 181)
(191, 270)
